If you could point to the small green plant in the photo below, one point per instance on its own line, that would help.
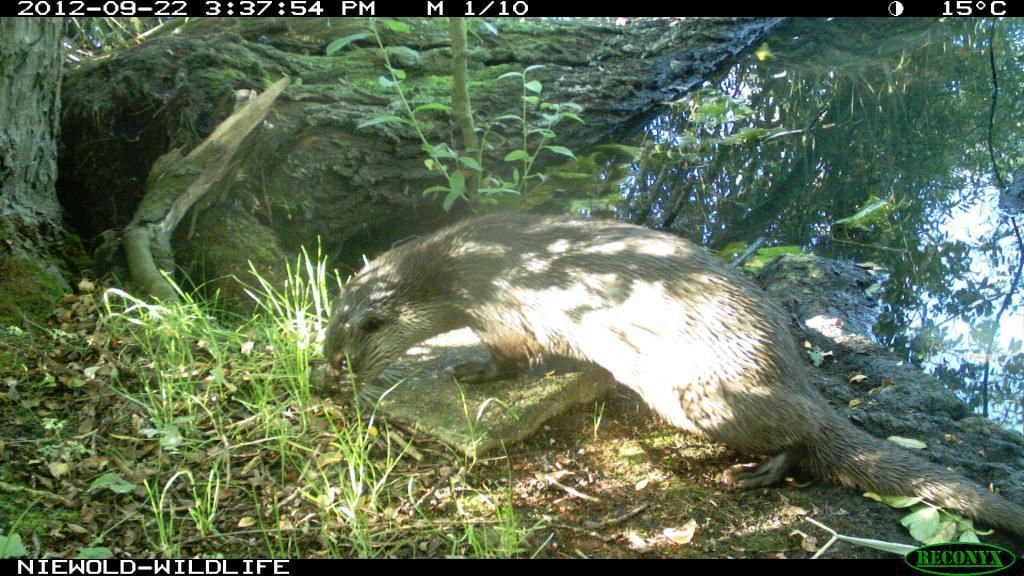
(10, 543)
(493, 528)
(163, 514)
(354, 490)
(217, 404)
(206, 497)
(598, 416)
(930, 524)
(535, 138)
(534, 123)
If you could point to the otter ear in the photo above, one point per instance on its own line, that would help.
(372, 324)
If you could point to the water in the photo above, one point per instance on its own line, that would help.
(830, 117)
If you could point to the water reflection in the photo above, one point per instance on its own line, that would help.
(869, 140)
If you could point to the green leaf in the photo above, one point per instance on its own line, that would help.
(532, 68)
(399, 73)
(432, 106)
(397, 26)
(340, 43)
(510, 75)
(531, 99)
(170, 437)
(533, 86)
(386, 119)
(441, 150)
(516, 155)
(434, 190)
(489, 27)
(471, 163)
(449, 200)
(457, 183)
(95, 553)
(817, 357)
(946, 532)
(874, 210)
(11, 547)
(923, 524)
(458, 187)
(112, 481)
(896, 501)
(404, 51)
(386, 82)
(969, 536)
(561, 150)
(746, 136)
(505, 117)
(764, 53)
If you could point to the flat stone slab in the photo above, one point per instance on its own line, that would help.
(478, 419)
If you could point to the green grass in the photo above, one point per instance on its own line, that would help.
(248, 459)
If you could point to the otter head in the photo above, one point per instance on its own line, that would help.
(398, 300)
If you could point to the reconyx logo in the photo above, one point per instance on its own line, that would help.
(960, 559)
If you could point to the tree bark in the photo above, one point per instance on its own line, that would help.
(31, 235)
(175, 185)
(317, 175)
(30, 69)
(462, 109)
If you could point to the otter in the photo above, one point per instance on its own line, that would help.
(700, 343)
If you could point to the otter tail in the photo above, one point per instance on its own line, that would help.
(852, 457)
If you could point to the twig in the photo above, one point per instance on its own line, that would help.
(568, 489)
(405, 446)
(49, 496)
(893, 547)
(590, 528)
(584, 531)
(617, 519)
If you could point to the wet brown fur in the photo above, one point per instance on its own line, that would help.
(696, 339)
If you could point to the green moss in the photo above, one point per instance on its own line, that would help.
(76, 258)
(25, 290)
(40, 518)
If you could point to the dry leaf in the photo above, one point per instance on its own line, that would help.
(682, 535)
(636, 541)
(907, 442)
(790, 510)
(58, 468)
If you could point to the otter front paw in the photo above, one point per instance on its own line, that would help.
(766, 473)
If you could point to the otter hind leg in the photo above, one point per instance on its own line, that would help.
(766, 473)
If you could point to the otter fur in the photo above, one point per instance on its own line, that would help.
(699, 342)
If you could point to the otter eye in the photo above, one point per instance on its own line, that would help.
(372, 325)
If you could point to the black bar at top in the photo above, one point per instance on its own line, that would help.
(509, 8)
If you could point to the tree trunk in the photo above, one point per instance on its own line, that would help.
(30, 216)
(313, 173)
